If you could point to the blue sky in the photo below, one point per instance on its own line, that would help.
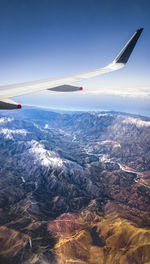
(43, 39)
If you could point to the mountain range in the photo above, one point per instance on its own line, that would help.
(74, 187)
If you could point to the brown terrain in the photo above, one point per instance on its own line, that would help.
(89, 238)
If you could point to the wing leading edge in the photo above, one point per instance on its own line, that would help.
(63, 84)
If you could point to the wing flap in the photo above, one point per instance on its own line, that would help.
(9, 105)
(65, 88)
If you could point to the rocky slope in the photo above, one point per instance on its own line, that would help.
(74, 187)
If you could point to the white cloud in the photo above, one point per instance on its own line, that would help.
(134, 92)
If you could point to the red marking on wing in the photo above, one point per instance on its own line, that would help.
(19, 106)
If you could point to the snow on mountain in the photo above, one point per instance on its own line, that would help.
(10, 133)
(136, 121)
(4, 119)
(45, 157)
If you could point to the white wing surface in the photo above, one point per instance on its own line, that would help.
(63, 84)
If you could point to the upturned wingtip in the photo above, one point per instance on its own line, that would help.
(140, 29)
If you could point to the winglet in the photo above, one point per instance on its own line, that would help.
(127, 50)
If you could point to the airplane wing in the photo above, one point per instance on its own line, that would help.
(64, 84)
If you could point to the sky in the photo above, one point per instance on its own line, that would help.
(43, 39)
